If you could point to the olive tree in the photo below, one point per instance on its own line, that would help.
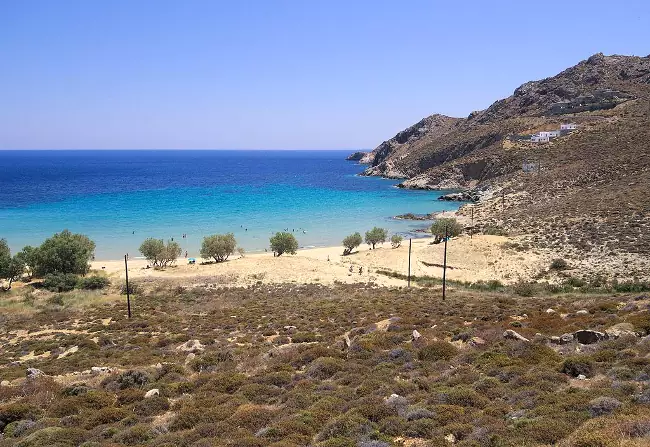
(351, 242)
(447, 225)
(11, 268)
(159, 254)
(283, 242)
(29, 257)
(65, 252)
(376, 236)
(396, 240)
(218, 246)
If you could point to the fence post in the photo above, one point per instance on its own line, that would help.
(444, 268)
(128, 292)
(409, 277)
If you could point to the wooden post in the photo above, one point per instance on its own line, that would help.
(128, 292)
(471, 230)
(444, 269)
(409, 280)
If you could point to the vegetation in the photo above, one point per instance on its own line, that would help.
(283, 242)
(64, 252)
(446, 225)
(11, 268)
(396, 240)
(218, 246)
(159, 254)
(376, 236)
(351, 242)
(272, 371)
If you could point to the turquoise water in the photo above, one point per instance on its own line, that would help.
(119, 198)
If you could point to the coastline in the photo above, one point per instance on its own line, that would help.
(469, 259)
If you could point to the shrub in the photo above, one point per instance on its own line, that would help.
(418, 413)
(11, 269)
(159, 254)
(106, 415)
(64, 252)
(325, 367)
(524, 288)
(559, 264)
(451, 225)
(60, 282)
(396, 240)
(134, 288)
(375, 236)
(218, 246)
(53, 436)
(351, 242)
(210, 361)
(437, 350)
(282, 243)
(575, 366)
(94, 282)
(136, 435)
(252, 417)
(128, 379)
(17, 411)
(603, 405)
(151, 406)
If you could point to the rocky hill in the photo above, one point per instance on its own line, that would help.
(441, 152)
(588, 193)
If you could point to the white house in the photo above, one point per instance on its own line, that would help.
(571, 126)
(540, 138)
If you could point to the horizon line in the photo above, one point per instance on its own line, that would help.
(183, 149)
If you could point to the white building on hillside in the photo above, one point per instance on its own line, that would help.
(540, 138)
(570, 126)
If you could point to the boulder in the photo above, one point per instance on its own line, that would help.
(189, 358)
(550, 311)
(5, 383)
(587, 337)
(151, 393)
(476, 341)
(630, 307)
(101, 370)
(512, 335)
(191, 346)
(33, 373)
(565, 339)
(415, 335)
(582, 312)
(621, 330)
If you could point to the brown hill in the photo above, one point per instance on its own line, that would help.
(591, 193)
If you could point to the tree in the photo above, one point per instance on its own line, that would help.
(396, 240)
(241, 251)
(153, 250)
(376, 236)
(11, 268)
(65, 252)
(351, 242)
(218, 246)
(159, 254)
(451, 224)
(283, 243)
(28, 256)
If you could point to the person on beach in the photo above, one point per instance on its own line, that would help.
(186, 253)
(351, 268)
(360, 270)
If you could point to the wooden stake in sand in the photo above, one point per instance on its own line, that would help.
(409, 280)
(128, 294)
(444, 268)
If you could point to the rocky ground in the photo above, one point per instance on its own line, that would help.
(349, 365)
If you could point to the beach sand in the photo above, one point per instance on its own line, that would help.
(468, 259)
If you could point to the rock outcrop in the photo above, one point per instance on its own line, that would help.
(356, 156)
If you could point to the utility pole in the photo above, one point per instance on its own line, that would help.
(444, 269)
(128, 292)
(409, 280)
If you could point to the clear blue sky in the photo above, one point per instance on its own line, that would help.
(279, 74)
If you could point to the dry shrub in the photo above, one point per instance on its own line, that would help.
(437, 350)
(253, 417)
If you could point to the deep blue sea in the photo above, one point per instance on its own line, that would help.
(119, 198)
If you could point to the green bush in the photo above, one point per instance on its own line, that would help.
(574, 366)
(524, 288)
(448, 225)
(283, 242)
(437, 350)
(159, 254)
(396, 240)
(94, 282)
(60, 282)
(218, 246)
(64, 252)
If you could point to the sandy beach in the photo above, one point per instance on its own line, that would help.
(468, 259)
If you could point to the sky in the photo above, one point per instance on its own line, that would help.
(280, 74)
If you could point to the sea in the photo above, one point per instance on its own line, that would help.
(119, 198)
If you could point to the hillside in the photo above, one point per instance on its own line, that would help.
(441, 152)
(590, 196)
(305, 365)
